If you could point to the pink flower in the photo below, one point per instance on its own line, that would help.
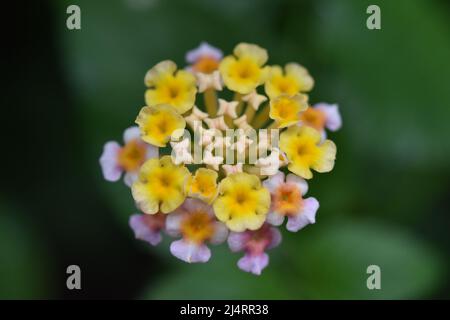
(116, 159)
(321, 116)
(204, 59)
(287, 201)
(254, 243)
(195, 222)
(148, 227)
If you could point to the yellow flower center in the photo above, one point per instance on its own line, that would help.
(167, 85)
(286, 85)
(285, 109)
(243, 203)
(160, 185)
(158, 123)
(132, 155)
(287, 199)
(304, 149)
(244, 71)
(206, 64)
(171, 91)
(313, 118)
(197, 226)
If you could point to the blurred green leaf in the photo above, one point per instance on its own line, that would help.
(220, 278)
(331, 262)
(23, 261)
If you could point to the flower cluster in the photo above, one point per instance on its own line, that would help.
(208, 189)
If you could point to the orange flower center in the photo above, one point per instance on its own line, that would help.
(287, 199)
(132, 155)
(197, 227)
(313, 118)
(206, 64)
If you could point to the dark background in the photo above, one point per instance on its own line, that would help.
(67, 92)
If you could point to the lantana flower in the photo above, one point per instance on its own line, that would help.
(321, 116)
(293, 80)
(169, 86)
(160, 185)
(158, 123)
(287, 201)
(244, 71)
(203, 185)
(254, 243)
(196, 224)
(242, 202)
(204, 59)
(148, 227)
(285, 110)
(116, 159)
(305, 151)
(237, 159)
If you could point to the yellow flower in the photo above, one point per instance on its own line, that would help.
(294, 80)
(244, 71)
(285, 109)
(169, 86)
(158, 123)
(242, 203)
(160, 186)
(203, 185)
(305, 150)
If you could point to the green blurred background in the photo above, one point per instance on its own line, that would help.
(386, 203)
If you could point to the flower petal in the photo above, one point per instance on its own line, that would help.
(203, 50)
(326, 162)
(190, 252)
(274, 218)
(254, 263)
(274, 181)
(130, 177)
(220, 233)
(237, 241)
(251, 51)
(333, 120)
(301, 183)
(158, 71)
(131, 133)
(142, 230)
(276, 238)
(108, 161)
(306, 216)
(173, 223)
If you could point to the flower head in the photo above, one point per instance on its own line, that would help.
(203, 185)
(321, 116)
(169, 86)
(158, 123)
(196, 224)
(287, 201)
(254, 243)
(305, 151)
(242, 202)
(160, 185)
(244, 71)
(285, 110)
(293, 80)
(116, 159)
(148, 227)
(204, 59)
